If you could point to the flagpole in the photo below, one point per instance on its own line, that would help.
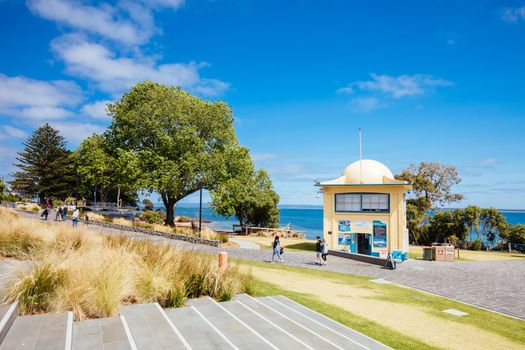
(360, 156)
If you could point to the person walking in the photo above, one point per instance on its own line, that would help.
(45, 213)
(324, 251)
(74, 217)
(58, 215)
(277, 250)
(64, 213)
(318, 250)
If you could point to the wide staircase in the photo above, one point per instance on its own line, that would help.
(244, 322)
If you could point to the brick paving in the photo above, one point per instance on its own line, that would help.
(494, 285)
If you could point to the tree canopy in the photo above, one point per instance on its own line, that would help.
(246, 193)
(432, 183)
(46, 167)
(169, 141)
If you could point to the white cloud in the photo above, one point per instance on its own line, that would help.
(402, 85)
(513, 15)
(128, 22)
(35, 100)
(488, 162)
(12, 133)
(365, 104)
(263, 156)
(347, 90)
(75, 132)
(375, 93)
(96, 110)
(115, 73)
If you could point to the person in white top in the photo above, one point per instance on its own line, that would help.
(75, 217)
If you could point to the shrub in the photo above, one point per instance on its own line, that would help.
(148, 205)
(224, 238)
(153, 217)
(476, 244)
(248, 284)
(94, 275)
(35, 290)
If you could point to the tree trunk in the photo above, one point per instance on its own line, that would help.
(118, 197)
(169, 205)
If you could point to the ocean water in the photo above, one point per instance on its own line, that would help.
(302, 218)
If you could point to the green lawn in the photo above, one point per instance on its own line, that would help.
(372, 329)
(485, 321)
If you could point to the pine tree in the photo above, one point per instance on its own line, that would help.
(46, 166)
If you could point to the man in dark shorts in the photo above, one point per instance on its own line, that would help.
(318, 250)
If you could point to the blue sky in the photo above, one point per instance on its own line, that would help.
(425, 80)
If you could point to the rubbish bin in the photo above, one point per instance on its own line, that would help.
(449, 253)
(439, 253)
(427, 253)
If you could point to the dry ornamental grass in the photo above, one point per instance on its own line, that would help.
(92, 275)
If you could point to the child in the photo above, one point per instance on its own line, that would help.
(324, 251)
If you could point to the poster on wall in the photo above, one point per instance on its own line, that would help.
(380, 234)
(344, 225)
(345, 239)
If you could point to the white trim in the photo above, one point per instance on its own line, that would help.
(276, 326)
(179, 334)
(334, 321)
(214, 328)
(69, 331)
(131, 341)
(320, 324)
(297, 323)
(8, 315)
(244, 324)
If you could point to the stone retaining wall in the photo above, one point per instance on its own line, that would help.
(196, 240)
(190, 239)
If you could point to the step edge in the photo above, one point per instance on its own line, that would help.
(7, 321)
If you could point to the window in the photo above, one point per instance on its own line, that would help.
(347, 202)
(366, 202)
(375, 202)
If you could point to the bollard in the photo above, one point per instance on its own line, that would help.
(223, 261)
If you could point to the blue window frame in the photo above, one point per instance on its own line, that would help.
(362, 202)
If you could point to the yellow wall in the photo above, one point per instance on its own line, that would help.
(397, 235)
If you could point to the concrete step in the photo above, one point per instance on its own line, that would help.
(150, 327)
(278, 327)
(238, 332)
(330, 329)
(42, 332)
(268, 327)
(104, 334)
(8, 313)
(197, 329)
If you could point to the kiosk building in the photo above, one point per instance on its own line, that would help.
(364, 211)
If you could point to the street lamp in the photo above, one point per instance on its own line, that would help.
(200, 212)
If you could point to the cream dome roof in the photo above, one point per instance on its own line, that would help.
(373, 173)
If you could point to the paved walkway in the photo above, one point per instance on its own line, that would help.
(244, 244)
(494, 285)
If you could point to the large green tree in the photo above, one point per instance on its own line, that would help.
(246, 193)
(432, 184)
(99, 168)
(492, 223)
(169, 141)
(46, 167)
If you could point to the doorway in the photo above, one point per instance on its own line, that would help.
(363, 243)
